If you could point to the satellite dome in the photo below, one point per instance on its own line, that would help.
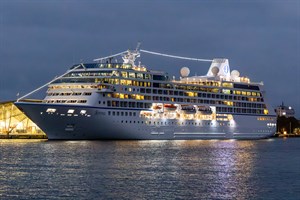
(185, 71)
(215, 70)
(235, 74)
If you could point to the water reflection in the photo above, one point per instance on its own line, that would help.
(181, 169)
(233, 164)
(197, 169)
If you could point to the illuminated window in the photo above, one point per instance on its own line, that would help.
(225, 91)
(215, 90)
(71, 111)
(50, 110)
(131, 75)
(227, 85)
(83, 112)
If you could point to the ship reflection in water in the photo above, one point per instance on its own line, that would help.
(149, 169)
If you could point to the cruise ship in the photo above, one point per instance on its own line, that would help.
(125, 100)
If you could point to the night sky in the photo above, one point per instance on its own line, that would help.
(42, 39)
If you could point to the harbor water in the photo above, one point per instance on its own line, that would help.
(212, 169)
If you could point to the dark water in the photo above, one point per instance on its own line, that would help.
(261, 169)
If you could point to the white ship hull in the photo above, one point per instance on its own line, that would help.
(95, 123)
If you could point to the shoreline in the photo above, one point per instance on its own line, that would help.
(24, 136)
(39, 136)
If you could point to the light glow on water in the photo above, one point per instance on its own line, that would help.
(183, 169)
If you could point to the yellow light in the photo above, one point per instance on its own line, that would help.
(129, 82)
(191, 94)
(266, 111)
(229, 103)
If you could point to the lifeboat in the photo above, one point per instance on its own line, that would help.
(204, 110)
(188, 109)
(157, 107)
(170, 107)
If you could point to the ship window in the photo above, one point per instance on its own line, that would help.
(131, 75)
(84, 111)
(147, 76)
(124, 74)
(71, 111)
(50, 110)
(159, 77)
(139, 75)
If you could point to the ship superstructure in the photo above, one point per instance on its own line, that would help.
(105, 100)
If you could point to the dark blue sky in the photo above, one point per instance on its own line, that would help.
(261, 39)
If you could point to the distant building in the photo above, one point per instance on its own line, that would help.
(285, 111)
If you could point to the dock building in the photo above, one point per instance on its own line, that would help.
(15, 124)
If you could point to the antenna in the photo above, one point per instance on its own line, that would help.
(138, 46)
